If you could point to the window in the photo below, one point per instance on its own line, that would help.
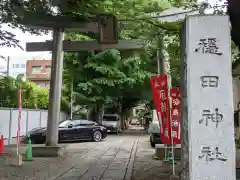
(36, 69)
(13, 65)
(86, 123)
(69, 122)
(22, 65)
(64, 123)
(17, 65)
(75, 122)
(110, 118)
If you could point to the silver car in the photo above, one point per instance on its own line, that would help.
(154, 130)
(112, 122)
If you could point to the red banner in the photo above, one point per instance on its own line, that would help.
(176, 130)
(155, 91)
(159, 86)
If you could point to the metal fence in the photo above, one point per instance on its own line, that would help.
(31, 118)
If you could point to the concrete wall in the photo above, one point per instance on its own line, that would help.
(31, 118)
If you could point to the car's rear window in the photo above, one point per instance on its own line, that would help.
(110, 118)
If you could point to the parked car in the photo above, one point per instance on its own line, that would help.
(154, 130)
(112, 122)
(72, 130)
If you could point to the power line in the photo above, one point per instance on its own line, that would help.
(175, 14)
(159, 16)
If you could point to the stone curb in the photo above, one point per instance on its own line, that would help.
(129, 170)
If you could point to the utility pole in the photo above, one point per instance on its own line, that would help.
(158, 61)
(55, 88)
(164, 68)
(161, 71)
(71, 101)
(160, 64)
(8, 65)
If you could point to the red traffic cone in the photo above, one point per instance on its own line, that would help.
(2, 145)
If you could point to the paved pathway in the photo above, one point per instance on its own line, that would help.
(146, 167)
(105, 160)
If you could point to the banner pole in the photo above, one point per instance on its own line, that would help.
(165, 67)
(160, 69)
(171, 134)
(165, 152)
(19, 118)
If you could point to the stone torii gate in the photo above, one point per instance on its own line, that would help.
(105, 25)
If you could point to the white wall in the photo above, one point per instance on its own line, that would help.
(31, 118)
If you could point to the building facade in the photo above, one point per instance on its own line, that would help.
(39, 71)
(16, 65)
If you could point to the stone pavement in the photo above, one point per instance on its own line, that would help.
(146, 167)
(106, 160)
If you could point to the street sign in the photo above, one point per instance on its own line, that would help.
(75, 46)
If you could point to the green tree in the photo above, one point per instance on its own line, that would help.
(96, 77)
(42, 97)
(99, 78)
(33, 97)
(136, 67)
(11, 13)
(9, 93)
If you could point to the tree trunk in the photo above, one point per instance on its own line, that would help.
(100, 112)
(125, 114)
(122, 121)
(92, 115)
(96, 113)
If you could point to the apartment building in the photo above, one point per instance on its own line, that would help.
(39, 72)
(16, 65)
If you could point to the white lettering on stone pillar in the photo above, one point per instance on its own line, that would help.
(207, 100)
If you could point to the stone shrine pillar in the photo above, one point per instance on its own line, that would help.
(208, 147)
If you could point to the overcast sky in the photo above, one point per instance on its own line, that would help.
(26, 37)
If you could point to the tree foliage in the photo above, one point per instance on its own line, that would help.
(12, 12)
(120, 80)
(117, 79)
(33, 97)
